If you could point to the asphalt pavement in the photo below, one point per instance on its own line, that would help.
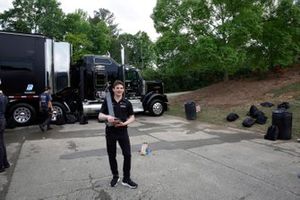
(188, 160)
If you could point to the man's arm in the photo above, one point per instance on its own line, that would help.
(103, 116)
(50, 105)
(129, 120)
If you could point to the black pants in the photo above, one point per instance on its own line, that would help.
(111, 144)
(46, 117)
(3, 155)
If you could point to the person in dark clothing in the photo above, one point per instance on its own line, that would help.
(46, 109)
(116, 131)
(3, 156)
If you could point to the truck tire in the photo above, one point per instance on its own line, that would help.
(156, 107)
(22, 114)
(60, 113)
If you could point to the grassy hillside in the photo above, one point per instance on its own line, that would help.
(218, 100)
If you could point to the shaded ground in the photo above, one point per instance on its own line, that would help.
(219, 99)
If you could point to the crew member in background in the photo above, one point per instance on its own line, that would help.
(117, 132)
(46, 109)
(3, 156)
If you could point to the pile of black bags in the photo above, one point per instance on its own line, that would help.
(255, 116)
(281, 120)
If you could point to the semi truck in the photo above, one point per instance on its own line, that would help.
(31, 62)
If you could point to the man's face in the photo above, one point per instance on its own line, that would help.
(118, 90)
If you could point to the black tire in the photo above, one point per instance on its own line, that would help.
(60, 112)
(22, 114)
(156, 107)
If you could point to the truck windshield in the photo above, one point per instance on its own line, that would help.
(132, 75)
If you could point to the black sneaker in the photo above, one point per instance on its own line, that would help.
(129, 183)
(114, 181)
(49, 128)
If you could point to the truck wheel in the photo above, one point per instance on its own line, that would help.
(60, 113)
(22, 114)
(156, 108)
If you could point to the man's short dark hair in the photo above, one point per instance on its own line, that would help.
(118, 82)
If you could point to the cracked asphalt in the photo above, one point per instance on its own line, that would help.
(189, 160)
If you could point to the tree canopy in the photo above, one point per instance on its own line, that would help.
(97, 34)
(34, 16)
(200, 41)
(226, 35)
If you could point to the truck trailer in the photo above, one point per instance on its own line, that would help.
(31, 62)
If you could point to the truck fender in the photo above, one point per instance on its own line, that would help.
(153, 96)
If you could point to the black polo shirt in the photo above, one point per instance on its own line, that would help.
(122, 109)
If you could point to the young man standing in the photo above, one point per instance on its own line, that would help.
(46, 109)
(3, 156)
(116, 131)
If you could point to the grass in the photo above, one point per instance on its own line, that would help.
(295, 87)
(217, 115)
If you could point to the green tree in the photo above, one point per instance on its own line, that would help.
(139, 50)
(128, 41)
(19, 18)
(279, 43)
(76, 22)
(226, 35)
(34, 16)
(87, 35)
(49, 18)
(101, 37)
(108, 17)
(143, 52)
(226, 26)
(77, 28)
(80, 43)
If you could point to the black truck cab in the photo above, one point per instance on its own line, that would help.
(93, 73)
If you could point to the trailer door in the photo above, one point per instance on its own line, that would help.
(61, 70)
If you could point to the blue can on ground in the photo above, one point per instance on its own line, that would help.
(190, 110)
(283, 120)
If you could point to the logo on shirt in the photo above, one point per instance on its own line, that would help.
(123, 105)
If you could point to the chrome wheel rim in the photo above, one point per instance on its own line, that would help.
(58, 110)
(157, 108)
(22, 115)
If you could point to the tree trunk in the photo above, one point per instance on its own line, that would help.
(226, 76)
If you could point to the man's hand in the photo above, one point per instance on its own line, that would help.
(119, 123)
(113, 121)
(110, 119)
(129, 120)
